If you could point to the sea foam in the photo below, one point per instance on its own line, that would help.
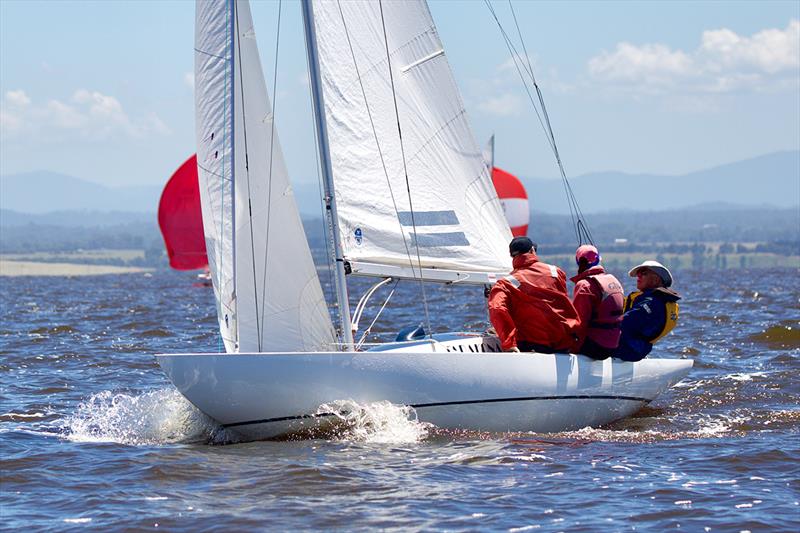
(152, 417)
(378, 422)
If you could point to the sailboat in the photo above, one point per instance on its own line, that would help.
(409, 198)
(511, 193)
(180, 219)
(181, 222)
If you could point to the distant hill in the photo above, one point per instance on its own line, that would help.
(768, 180)
(75, 219)
(20, 232)
(44, 192)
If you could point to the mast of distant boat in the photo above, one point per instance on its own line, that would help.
(327, 174)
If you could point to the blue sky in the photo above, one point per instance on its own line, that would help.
(103, 90)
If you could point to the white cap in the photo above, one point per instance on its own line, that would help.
(656, 267)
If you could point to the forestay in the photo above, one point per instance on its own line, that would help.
(452, 217)
(268, 294)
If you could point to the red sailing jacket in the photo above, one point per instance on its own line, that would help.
(598, 298)
(531, 304)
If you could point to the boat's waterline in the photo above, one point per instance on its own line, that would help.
(268, 395)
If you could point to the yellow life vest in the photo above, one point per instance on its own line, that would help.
(671, 310)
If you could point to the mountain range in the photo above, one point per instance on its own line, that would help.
(768, 180)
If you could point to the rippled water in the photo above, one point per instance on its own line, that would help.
(93, 435)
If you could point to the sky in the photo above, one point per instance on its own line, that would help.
(103, 91)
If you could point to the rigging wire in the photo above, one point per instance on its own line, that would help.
(362, 303)
(580, 225)
(260, 328)
(578, 220)
(247, 173)
(405, 173)
(377, 315)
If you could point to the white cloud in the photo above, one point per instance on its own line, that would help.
(503, 105)
(18, 98)
(87, 114)
(304, 80)
(154, 123)
(724, 62)
(59, 115)
(516, 61)
(188, 79)
(651, 63)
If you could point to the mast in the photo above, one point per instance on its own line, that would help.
(327, 174)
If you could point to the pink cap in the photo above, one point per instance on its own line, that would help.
(589, 253)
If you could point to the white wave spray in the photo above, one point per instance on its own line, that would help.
(153, 417)
(376, 422)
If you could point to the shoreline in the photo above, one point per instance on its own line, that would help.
(9, 268)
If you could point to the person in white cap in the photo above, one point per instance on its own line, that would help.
(650, 313)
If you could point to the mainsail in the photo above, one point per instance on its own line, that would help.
(420, 198)
(268, 293)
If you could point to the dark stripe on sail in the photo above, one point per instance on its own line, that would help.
(428, 218)
(436, 240)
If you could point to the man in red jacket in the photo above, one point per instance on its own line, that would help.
(598, 298)
(529, 308)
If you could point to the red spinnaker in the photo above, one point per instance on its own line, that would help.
(181, 221)
(514, 200)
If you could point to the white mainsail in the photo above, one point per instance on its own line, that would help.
(268, 293)
(451, 217)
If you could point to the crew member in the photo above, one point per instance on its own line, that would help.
(650, 313)
(530, 309)
(598, 298)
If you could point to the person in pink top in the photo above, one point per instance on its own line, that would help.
(598, 298)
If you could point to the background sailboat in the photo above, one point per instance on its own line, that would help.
(181, 221)
(409, 197)
(511, 192)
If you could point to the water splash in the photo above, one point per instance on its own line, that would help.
(376, 422)
(153, 417)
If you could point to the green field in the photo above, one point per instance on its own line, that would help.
(712, 258)
(624, 261)
(79, 256)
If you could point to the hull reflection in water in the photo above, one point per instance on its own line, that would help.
(456, 381)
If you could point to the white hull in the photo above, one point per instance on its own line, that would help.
(459, 383)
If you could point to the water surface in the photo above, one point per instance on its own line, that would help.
(93, 435)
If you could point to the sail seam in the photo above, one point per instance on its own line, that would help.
(377, 64)
(209, 54)
(209, 171)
